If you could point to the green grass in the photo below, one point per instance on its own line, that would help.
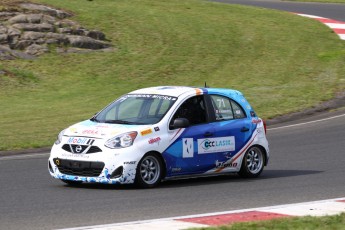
(280, 61)
(336, 222)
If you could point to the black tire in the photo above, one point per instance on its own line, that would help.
(72, 182)
(253, 163)
(149, 171)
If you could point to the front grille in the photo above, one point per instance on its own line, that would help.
(94, 149)
(79, 168)
(78, 149)
(67, 148)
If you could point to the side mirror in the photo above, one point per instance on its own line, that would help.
(179, 123)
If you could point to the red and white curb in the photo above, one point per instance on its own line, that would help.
(337, 26)
(315, 208)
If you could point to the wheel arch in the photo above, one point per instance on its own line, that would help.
(264, 151)
(161, 158)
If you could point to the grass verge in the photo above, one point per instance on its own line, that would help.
(321, 1)
(280, 61)
(336, 222)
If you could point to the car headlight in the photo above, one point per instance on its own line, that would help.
(59, 138)
(121, 141)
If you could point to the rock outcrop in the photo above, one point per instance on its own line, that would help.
(35, 29)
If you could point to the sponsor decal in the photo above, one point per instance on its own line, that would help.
(140, 95)
(187, 147)
(77, 140)
(162, 97)
(146, 132)
(256, 121)
(213, 145)
(80, 141)
(90, 142)
(102, 126)
(75, 155)
(129, 162)
(225, 164)
(224, 111)
(156, 129)
(154, 140)
(90, 132)
(176, 169)
(227, 155)
(73, 130)
(238, 112)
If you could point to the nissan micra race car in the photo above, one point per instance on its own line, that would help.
(161, 133)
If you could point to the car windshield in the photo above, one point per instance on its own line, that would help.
(136, 109)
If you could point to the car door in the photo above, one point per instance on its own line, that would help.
(182, 156)
(232, 130)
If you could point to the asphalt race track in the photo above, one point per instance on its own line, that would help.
(327, 10)
(307, 164)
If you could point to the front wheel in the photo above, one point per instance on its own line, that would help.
(149, 171)
(252, 163)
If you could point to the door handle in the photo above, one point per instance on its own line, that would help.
(244, 129)
(208, 134)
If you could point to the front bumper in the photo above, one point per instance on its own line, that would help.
(107, 167)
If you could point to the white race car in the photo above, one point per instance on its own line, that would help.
(159, 133)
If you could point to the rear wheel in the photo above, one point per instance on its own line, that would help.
(149, 171)
(252, 163)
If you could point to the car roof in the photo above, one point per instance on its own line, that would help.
(176, 91)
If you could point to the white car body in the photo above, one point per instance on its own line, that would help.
(81, 153)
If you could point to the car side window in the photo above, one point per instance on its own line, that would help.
(237, 110)
(226, 109)
(192, 109)
(222, 107)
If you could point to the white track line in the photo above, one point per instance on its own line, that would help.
(309, 122)
(310, 16)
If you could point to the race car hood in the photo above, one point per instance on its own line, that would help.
(100, 130)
